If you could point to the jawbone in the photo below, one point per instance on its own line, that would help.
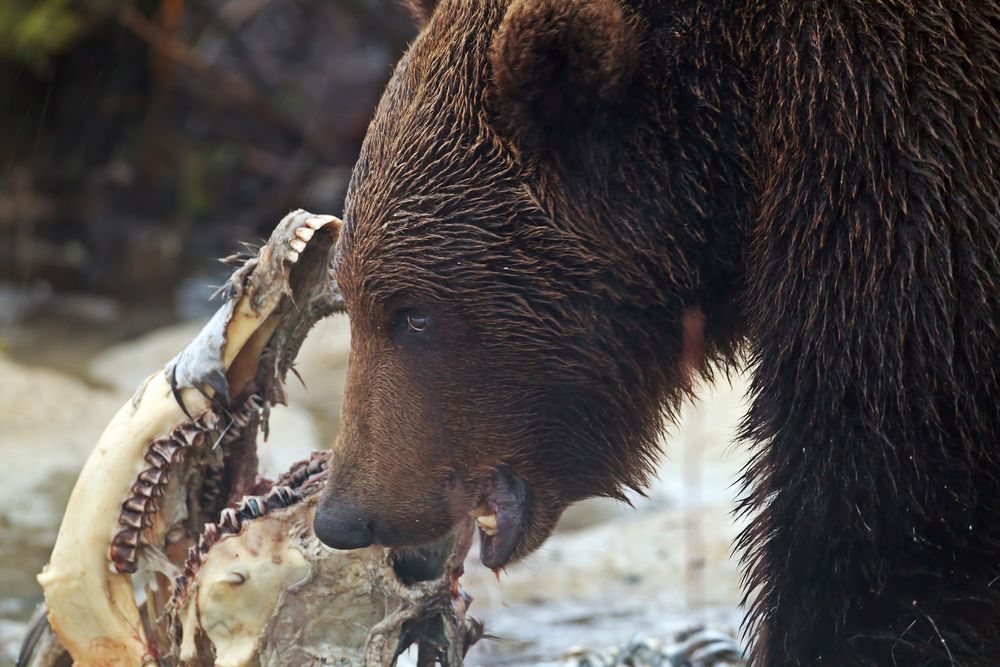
(182, 451)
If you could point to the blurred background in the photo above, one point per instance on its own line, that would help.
(141, 140)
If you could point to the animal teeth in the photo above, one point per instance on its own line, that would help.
(209, 421)
(156, 458)
(319, 221)
(228, 520)
(154, 477)
(128, 537)
(488, 524)
(232, 435)
(124, 553)
(190, 435)
(305, 233)
(143, 488)
(208, 538)
(278, 497)
(292, 256)
(131, 518)
(166, 449)
(315, 465)
(254, 402)
(250, 506)
(298, 245)
(241, 419)
(137, 503)
(123, 559)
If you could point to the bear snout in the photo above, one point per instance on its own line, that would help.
(340, 525)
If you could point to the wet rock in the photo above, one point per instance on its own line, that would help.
(50, 424)
(294, 437)
(322, 363)
(124, 366)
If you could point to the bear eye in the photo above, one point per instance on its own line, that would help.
(416, 322)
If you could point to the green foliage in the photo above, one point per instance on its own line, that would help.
(33, 32)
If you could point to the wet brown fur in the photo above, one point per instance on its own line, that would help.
(555, 184)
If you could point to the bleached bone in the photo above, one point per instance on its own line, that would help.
(255, 586)
(91, 604)
(264, 590)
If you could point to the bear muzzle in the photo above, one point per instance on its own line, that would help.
(502, 516)
(340, 525)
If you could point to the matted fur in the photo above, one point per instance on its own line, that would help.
(820, 179)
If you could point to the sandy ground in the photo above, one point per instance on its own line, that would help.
(611, 572)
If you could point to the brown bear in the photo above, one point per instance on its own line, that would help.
(551, 189)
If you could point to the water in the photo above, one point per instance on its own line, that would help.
(24, 550)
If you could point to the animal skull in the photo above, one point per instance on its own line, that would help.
(135, 579)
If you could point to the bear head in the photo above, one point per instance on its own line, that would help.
(516, 336)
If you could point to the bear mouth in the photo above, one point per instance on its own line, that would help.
(501, 517)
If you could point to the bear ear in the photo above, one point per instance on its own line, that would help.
(561, 68)
(421, 10)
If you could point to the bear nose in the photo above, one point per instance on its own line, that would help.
(340, 525)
